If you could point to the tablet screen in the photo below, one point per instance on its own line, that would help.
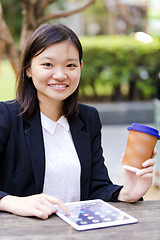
(94, 214)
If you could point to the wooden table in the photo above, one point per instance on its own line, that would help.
(147, 212)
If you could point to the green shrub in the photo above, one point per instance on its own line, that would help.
(115, 68)
(120, 67)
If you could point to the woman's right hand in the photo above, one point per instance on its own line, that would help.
(39, 205)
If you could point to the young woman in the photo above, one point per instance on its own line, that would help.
(50, 146)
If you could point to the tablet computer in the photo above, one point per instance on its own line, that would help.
(91, 214)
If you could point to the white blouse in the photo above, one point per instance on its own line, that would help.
(62, 166)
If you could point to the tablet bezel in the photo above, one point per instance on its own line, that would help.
(129, 220)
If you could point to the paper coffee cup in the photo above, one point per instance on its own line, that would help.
(140, 145)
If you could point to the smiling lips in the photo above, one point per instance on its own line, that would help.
(58, 86)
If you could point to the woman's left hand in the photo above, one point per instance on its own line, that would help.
(135, 185)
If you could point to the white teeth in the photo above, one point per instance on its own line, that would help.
(58, 85)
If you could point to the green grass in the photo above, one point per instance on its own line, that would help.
(7, 81)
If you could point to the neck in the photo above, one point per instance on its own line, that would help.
(54, 111)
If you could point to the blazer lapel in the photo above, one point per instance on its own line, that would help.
(34, 137)
(81, 140)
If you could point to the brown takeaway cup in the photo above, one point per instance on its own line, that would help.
(140, 145)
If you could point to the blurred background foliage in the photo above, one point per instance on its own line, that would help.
(116, 66)
(120, 68)
(12, 14)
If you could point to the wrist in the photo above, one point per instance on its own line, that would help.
(125, 196)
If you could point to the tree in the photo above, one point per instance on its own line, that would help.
(12, 10)
(34, 14)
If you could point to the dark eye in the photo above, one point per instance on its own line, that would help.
(48, 64)
(71, 65)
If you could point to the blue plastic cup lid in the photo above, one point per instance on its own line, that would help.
(143, 128)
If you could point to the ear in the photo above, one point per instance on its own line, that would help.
(28, 73)
(81, 66)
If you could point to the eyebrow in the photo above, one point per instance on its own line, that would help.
(69, 59)
(73, 59)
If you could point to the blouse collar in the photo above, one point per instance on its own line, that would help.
(50, 125)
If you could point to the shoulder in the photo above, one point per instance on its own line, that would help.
(10, 112)
(9, 107)
(89, 115)
(7, 119)
(87, 110)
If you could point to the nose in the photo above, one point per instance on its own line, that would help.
(59, 74)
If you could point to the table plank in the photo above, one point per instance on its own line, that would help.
(147, 212)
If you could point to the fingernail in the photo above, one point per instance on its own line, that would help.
(138, 173)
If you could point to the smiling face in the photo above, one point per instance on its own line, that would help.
(55, 73)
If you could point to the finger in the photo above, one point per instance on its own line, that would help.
(145, 171)
(154, 153)
(148, 163)
(58, 202)
(121, 160)
(40, 214)
(49, 207)
(147, 176)
(44, 209)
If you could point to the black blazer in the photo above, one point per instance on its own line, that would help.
(22, 156)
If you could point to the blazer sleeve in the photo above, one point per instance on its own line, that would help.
(101, 186)
(4, 133)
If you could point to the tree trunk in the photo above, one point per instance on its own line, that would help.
(33, 16)
(9, 45)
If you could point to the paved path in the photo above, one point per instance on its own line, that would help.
(114, 140)
(125, 112)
